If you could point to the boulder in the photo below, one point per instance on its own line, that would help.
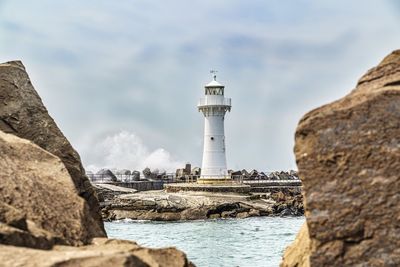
(102, 253)
(23, 114)
(39, 204)
(179, 173)
(245, 174)
(293, 174)
(162, 174)
(284, 175)
(273, 176)
(236, 173)
(135, 175)
(153, 174)
(348, 156)
(147, 173)
(106, 175)
(196, 171)
(253, 174)
(123, 172)
(262, 176)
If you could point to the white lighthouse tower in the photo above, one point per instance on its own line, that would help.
(214, 105)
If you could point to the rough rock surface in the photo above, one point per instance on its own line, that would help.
(348, 155)
(109, 191)
(39, 205)
(298, 253)
(23, 114)
(102, 253)
(163, 206)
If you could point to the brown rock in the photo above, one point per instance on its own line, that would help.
(254, 212)
(214, 216)
(298, 253)
(12, 216)
(39, 205)
(194, 214)
(348, 155)
(242, 215)
(10, 235)
(103, 252)
(22, 113)
(226, 214)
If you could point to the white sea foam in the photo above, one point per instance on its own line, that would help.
(125, 150)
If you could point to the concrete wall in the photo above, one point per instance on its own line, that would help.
(142, 185)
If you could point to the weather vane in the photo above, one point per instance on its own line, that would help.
(214, 73)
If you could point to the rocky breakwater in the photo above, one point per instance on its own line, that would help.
(164, 206)
(348, 155)
(47, 216)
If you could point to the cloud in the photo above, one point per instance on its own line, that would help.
(125, 150)
(139, 66)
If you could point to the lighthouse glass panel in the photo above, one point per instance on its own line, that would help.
(214, 91)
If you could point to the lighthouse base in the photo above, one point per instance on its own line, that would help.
(219, 180)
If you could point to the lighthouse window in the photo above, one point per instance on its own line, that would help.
(212, 138)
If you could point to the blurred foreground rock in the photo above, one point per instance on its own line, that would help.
(39, 205)
(102, 252)
(40, 209)
(23, 114)
(348, 155)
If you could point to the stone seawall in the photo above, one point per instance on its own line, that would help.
(142, 185)
(275, 189)
(187, 187)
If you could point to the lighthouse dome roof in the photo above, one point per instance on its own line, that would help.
(214, 83)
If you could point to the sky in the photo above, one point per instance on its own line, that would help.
(122, 78)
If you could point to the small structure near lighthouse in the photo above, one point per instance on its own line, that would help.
(214, 106)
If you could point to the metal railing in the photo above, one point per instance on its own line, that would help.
(173, 178)
(266, 182)
(214, 102)
(132, 178)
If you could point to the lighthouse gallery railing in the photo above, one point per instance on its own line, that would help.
(214, 102)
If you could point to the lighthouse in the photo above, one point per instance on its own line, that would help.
(214, 106)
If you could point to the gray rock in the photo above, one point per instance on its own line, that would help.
(122, 172)
(135, 175)
(107, 175)
(147, 173)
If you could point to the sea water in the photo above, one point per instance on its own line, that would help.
(256, 241)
